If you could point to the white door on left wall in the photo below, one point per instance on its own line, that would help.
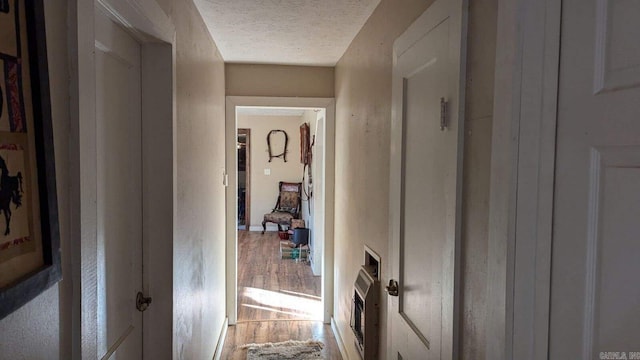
(119, 190)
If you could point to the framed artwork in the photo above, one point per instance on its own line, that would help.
(29, 236)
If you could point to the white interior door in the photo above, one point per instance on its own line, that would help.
(119, 190)
(595, 293)
(425, 185)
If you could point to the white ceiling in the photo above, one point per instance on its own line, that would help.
(287, 32)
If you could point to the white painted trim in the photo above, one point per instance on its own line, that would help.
(522, 175)
(221, 339)
(461, 53)
(146, 21)
(82, 179)
(369, 251)
(593, 246)
(535, 181)
(144, 18)
(339, 341)
(231, 231)
(231, 195)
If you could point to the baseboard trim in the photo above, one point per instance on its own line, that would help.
(336, 334)
(221, 340)
(313, 266)
(259, 228)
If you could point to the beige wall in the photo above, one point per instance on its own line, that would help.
(481, 50)
(199, 274)
(363, 124)
(264, 188)
(36, 330)
(363, 114)
(279, 80)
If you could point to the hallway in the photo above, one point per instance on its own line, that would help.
(184, 205)
(540, 217)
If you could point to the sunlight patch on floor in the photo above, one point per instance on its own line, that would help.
(285, 302)
(301, 294)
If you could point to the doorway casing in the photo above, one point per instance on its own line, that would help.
(232, 103)
(522, 179)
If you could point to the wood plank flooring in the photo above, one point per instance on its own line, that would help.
(276, 331)
(270, 288)
(278, 299)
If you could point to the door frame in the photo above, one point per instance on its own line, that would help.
(522, 179)
(247, 191)
(149, 25)
(232, 102)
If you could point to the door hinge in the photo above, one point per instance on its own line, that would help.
(444, 114)
(142, 302)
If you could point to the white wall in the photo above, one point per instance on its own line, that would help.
(35, 331)
(264, 188)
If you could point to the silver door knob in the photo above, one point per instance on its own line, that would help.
(392, 288)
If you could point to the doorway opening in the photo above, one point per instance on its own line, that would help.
(279, 260)
(257, 257)
(244, 178)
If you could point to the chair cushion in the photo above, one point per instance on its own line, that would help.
(288, 201)
(279, 217)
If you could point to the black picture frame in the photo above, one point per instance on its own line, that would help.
(29, 286)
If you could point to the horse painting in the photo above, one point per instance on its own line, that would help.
(10, 191)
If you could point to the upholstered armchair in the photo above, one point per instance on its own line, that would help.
(287, 206)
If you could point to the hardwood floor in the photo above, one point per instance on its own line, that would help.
(278, 299)
(270, 288)
(276, 331)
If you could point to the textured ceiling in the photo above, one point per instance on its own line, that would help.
(288, 32)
